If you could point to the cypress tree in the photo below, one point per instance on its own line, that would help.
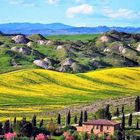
(1, 129)
(68, 118)
(122, 109)
(137, 125)
(7, 126)
(107, 113)
(118, 112)
(130, 120)
(85, 116)
(123, 121)
(81, 119)
(137, 104)
(59, 119)
(15, 120)
(34, 120)
(75, 119)
(41, 123)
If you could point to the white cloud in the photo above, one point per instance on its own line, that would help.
(81, 9)
(120, 13)
(21, 3)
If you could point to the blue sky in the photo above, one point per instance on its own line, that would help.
(72, 12)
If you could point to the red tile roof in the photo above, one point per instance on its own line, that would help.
(101, 122)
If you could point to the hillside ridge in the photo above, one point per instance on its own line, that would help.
(45, 90)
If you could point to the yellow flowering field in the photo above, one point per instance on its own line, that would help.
(38, 91)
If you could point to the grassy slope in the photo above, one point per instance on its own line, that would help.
(82, 37)
(36, 90)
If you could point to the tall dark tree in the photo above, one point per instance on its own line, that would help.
(107, 113)
(68, 119)
(23, 121)
(15, 121)
(34, 120)
(123, 109)
(118, 112)
(11, 128)
(137, 124)
(59, 119)
(7, 126)
(75, 119)
(130, 119)
(81, 119)
(137, 104)
(1, 129)
(27, 129)
(85, 116)
(123, 121)
(41, 123)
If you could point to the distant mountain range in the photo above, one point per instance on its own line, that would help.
(59, 28)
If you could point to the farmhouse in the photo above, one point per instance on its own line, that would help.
(99, 127)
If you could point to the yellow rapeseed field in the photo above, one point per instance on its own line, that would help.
(39, 91)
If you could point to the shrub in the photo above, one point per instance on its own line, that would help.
(69, 128)
(76, 135)
(100, 114)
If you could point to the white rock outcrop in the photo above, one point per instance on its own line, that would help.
(104, 39)
(138, 48)
(20, 39)
(41, 63)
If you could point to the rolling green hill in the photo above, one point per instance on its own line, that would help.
(25, 92)
(83, 37)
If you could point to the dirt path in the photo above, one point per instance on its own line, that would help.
(126, 115)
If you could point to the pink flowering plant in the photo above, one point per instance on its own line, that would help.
(41, 137)
(10, 136)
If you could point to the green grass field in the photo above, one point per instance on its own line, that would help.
(37, 91)
(83, 37)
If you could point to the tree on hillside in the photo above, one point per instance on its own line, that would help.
(68, 119)
(59, 119)
(123, 109)
(123, 121)
(15, 121)
(51, 127)
(7, 126)
(81, 119)
(75, 119)
(34, 120)
(27, 129)
(118, 112)
(137, 124)
(85, 116)
(100, 114)
(137, 104)
(107, 113)
(130, 119)
(41, 123)
(1, 129)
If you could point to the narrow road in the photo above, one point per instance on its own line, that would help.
(126, 115)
